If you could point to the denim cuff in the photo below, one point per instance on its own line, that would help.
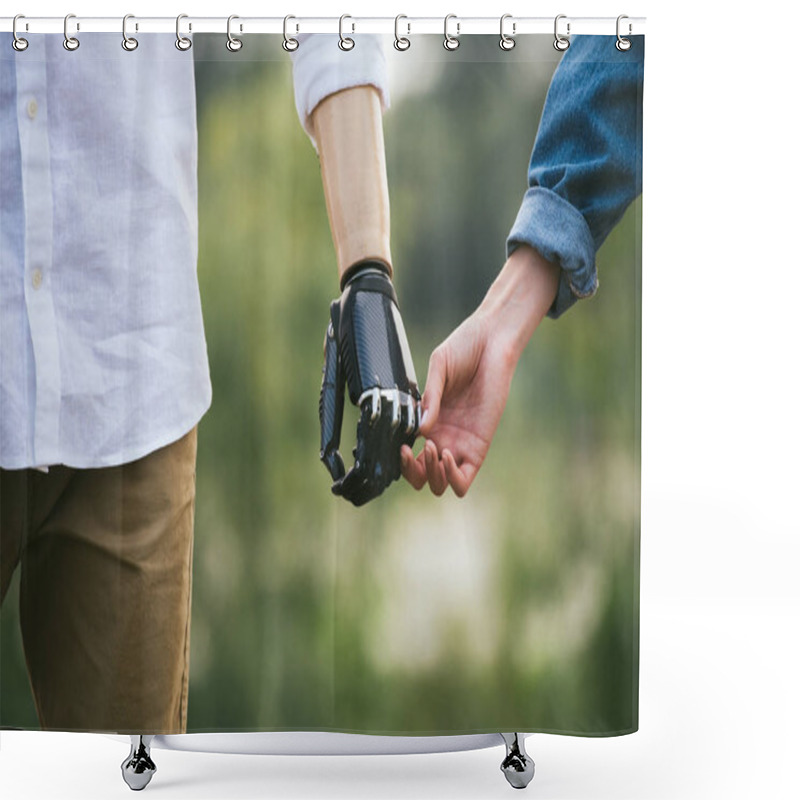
(559, 233)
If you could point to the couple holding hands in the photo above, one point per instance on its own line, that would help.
(584, 171)
(104, 371)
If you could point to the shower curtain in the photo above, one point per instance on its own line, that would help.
(169, 259)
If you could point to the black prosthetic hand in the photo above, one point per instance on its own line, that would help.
(366, 348)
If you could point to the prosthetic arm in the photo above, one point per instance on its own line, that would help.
(366, 348)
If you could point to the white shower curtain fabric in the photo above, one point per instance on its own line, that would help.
(174, 557)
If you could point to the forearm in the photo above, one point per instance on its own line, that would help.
(348, 129)
(519, 299)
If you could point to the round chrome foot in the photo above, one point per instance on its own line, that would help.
(138, 768)
(517, 766)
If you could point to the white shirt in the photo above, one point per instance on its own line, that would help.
(102, 348)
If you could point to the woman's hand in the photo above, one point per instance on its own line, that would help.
(468, 383)
(469, 375)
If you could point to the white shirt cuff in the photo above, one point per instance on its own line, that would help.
(321, 68)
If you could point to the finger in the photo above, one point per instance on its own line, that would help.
(361, 492)
(434, 386)
(335, 464)
(434, 468)
(353, 487)
(331, 404)
(459, 478)
(412, 469)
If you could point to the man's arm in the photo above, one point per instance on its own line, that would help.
(340, 99)
(366, 350)
(348, 129)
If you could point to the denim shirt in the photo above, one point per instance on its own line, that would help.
(586, 166)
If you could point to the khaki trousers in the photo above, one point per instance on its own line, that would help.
(105, 589)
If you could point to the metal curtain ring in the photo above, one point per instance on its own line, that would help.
(451, 42)
(345, 42)
(401, 43)
(233, 44)
(623, 44)
(507, 42)
(182, 42)
(561, 43)
(128, 42)
(70, 42)
(18, 43)
(289, 44)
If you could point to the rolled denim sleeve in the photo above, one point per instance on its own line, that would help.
(586, 166)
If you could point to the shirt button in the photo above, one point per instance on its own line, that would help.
(33, 107)
(36, 278)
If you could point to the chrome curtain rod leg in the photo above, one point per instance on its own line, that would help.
(138, 768)
(517, 766)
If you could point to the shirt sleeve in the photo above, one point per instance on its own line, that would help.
(321, 68)
(586, 166)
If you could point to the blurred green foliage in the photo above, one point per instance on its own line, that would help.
(515, 608)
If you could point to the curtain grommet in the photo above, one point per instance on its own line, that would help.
(560, 42)
(345, 42)
(18, 43)
(507, 42)
(183, 43)
(233, 44)
(70, 43)
(401, 43)
(450, 42)
(128, 42)
(622, 44)
(289, 43)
